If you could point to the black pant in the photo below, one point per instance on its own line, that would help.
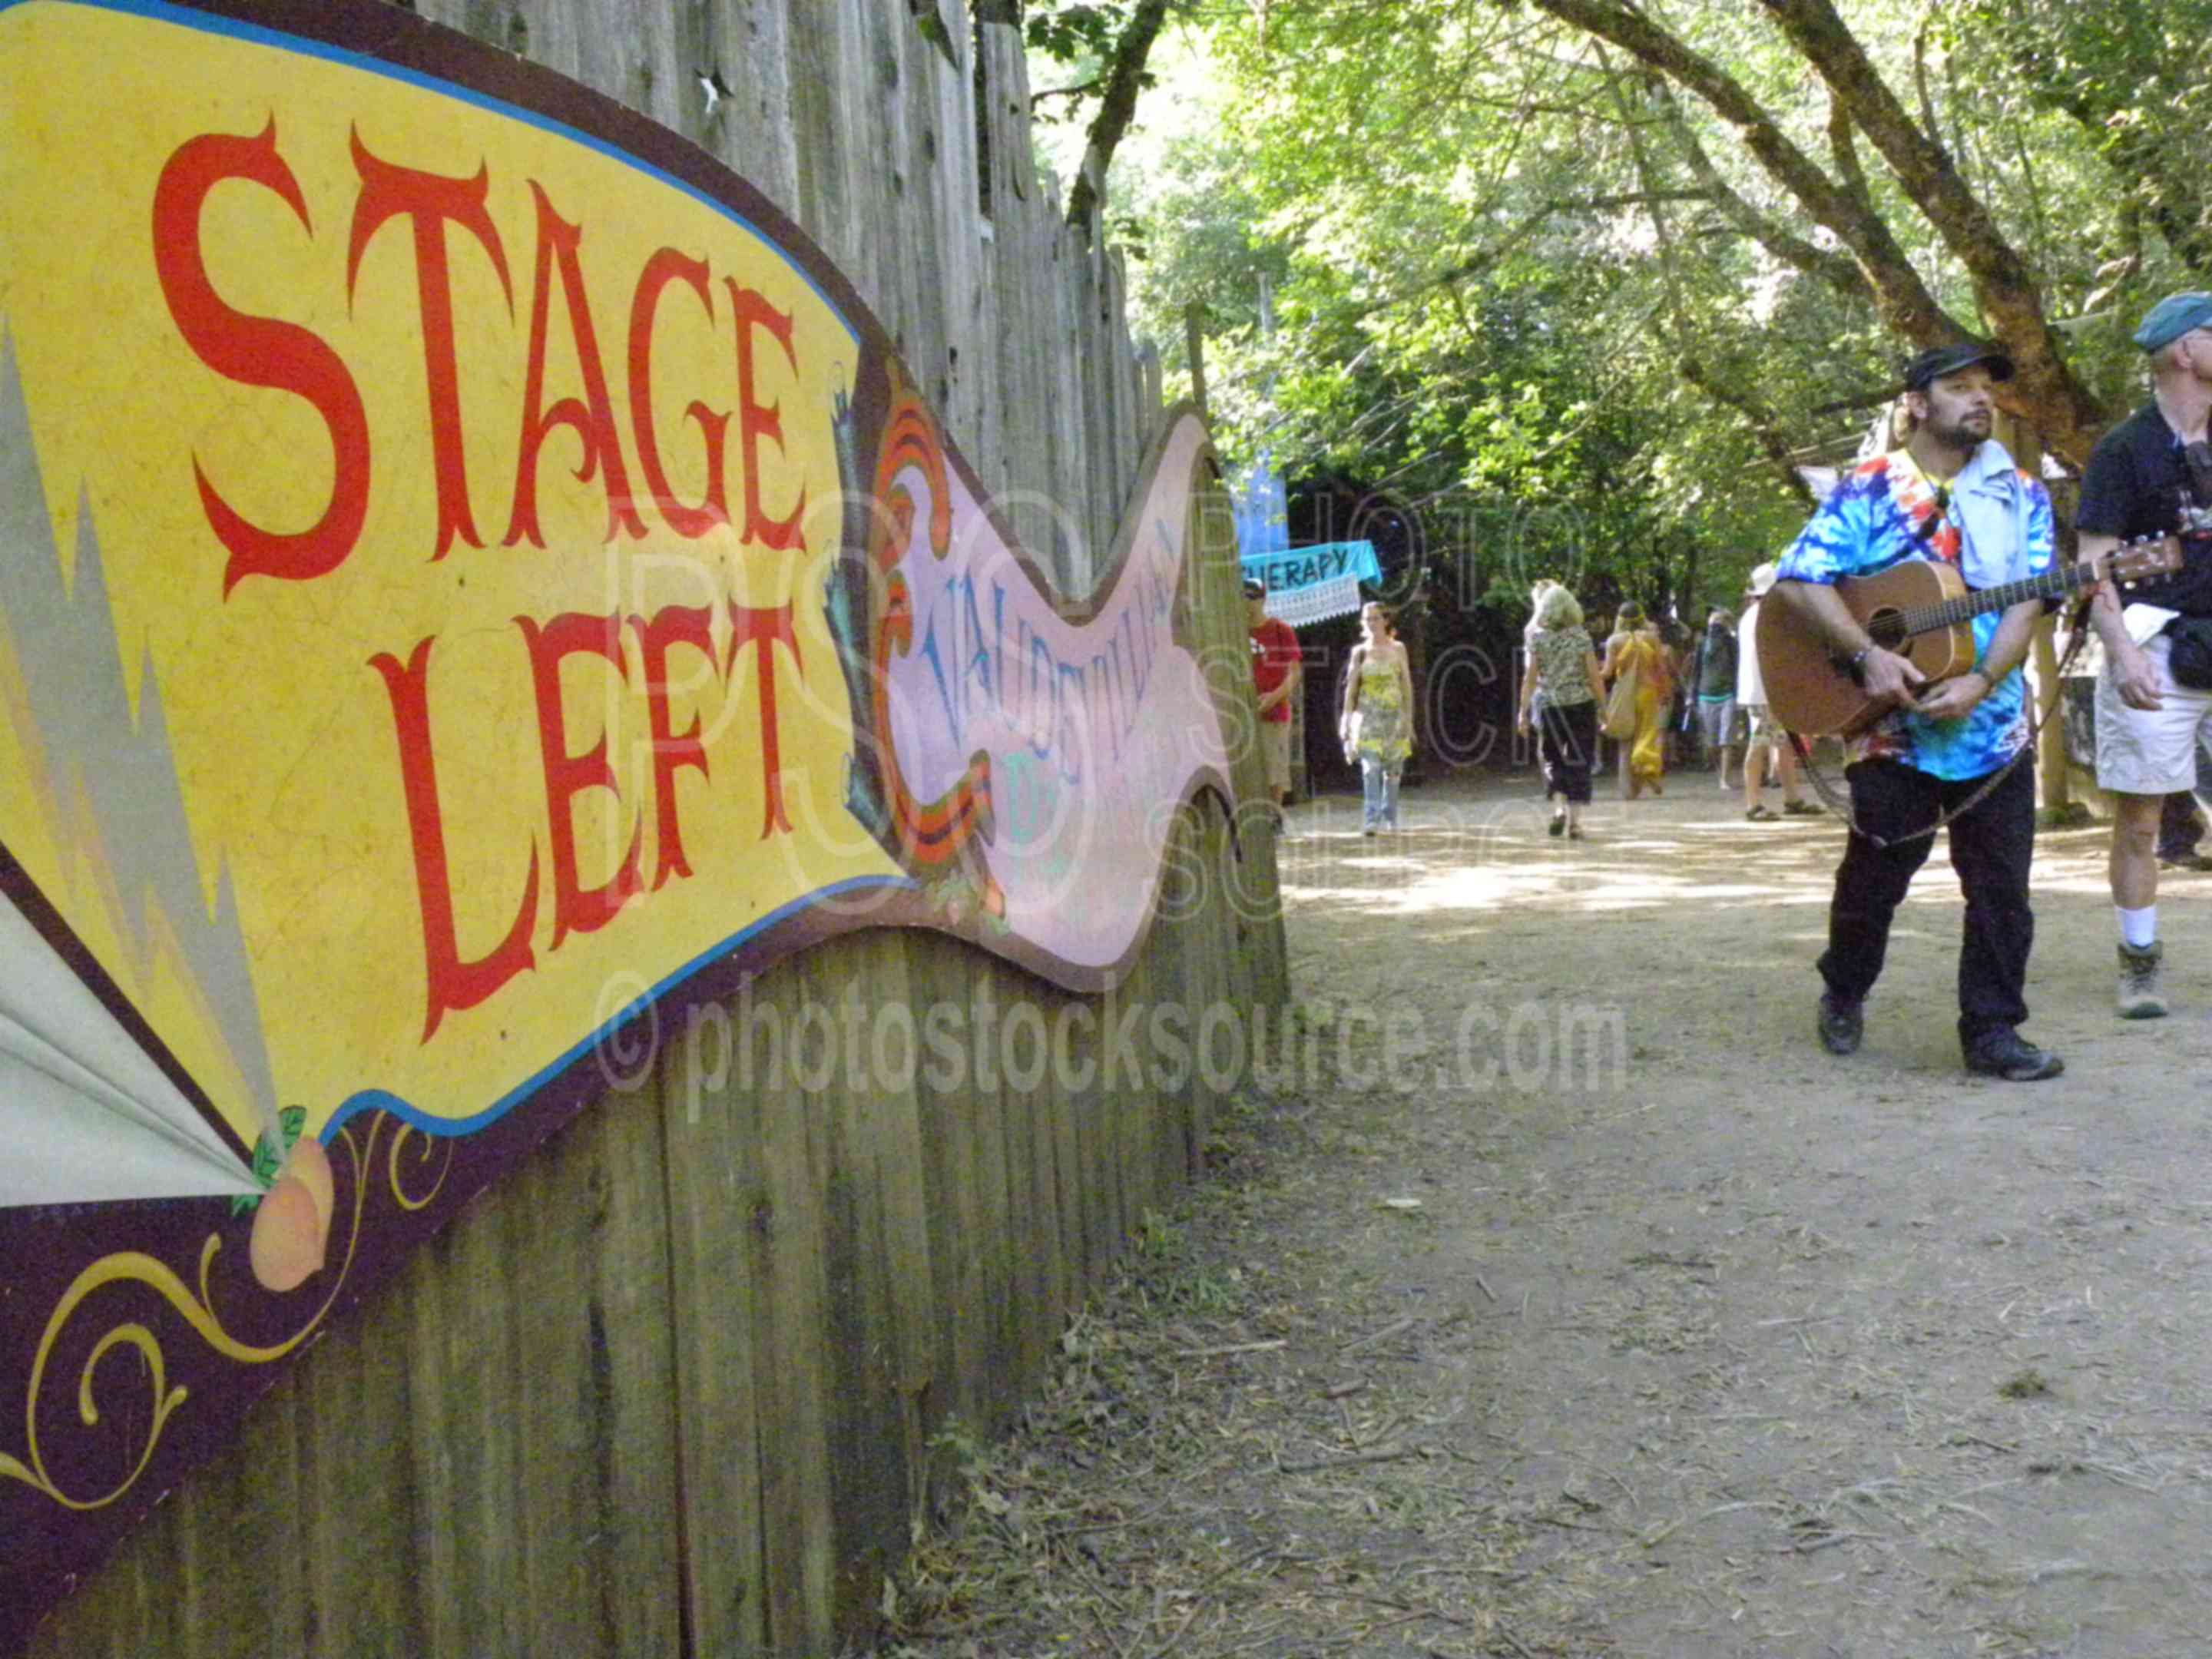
(1990, 848)
(1567, 746)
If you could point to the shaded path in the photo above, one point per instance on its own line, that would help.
(1628, 1322)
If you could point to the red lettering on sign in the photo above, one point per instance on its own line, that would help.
(671, 625)
(756, 420)
(258, 352)
(592, 418)
(665, 266)
(763, 627)
(576, 909)
(453, 983)
(428, 200)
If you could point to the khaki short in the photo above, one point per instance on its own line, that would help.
(1275, 753)
(2150, 752)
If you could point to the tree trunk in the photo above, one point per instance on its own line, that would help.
(1117, 104)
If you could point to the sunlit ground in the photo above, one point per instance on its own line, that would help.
(1473, 843)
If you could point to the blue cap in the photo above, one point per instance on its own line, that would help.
(2174, 316)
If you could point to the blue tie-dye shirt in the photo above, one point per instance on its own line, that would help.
(1886, 510)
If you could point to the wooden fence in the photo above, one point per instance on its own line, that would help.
(915, 173)
(790, 1291)
(790, 1284)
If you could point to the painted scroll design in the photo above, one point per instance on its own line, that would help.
(197, 1309)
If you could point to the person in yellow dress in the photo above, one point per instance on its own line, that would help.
(1636, 648)
(1376, 724)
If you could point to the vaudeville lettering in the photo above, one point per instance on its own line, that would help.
(1064, 709)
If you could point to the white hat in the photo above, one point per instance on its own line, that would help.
(1760, 579)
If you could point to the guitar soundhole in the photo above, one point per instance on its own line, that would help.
(1886, 629)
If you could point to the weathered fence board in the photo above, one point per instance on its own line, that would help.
(711, 1132)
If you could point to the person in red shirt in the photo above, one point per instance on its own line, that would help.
(1276, 676)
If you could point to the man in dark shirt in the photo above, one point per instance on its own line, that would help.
(2142, 481)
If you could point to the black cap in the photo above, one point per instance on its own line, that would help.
(1933, 364)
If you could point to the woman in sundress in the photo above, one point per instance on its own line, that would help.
(1376, 726)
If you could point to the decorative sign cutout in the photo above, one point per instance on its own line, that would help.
(471, 571)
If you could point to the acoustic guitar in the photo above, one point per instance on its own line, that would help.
(1921, 610)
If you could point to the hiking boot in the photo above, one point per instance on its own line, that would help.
(1841, 1023)
(2139, 997)
(2005, 1054)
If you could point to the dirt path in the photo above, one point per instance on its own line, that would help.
(1635, 1325)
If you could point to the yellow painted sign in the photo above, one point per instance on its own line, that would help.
(448, 423)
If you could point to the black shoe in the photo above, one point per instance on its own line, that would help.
(2005, 1054)
(1559, 824)
(1842, 1023)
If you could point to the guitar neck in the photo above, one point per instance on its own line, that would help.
(1927, 618)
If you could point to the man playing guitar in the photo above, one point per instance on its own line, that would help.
(1952, 493)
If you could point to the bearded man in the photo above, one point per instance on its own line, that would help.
(1951, 493)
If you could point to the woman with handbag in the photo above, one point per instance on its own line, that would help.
(1637, 662)
(1563, 671)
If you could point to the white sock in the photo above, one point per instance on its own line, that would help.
(2138, 928)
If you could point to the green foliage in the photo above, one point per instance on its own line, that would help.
(268, 1159)
(1501, 286)
(1070, 35)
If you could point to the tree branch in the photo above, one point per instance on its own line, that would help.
(1902, 299)
(1124, 78)
(1844, 148)
(1836, 270)
(1075, 91)
(1766, 429)
(2069, 418)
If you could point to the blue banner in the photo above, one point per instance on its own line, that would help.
(1312, 584)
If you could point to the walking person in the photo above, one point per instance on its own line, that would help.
(1636, 650)
(1532, 690)
(1713, 675)
(1376, 726)
(1961, 748)
(2152, 475)
(1766, 746)
(1560, 693)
